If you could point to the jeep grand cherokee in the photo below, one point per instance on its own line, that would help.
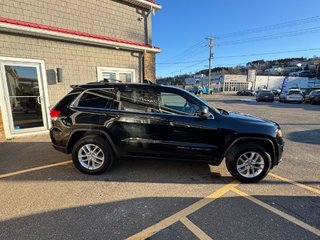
(101, 122)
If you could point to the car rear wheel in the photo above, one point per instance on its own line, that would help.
(249, 163)
(92, 155)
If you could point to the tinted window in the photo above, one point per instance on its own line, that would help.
(99, 98)
(175, 104)
(139, 100)
(66, 101)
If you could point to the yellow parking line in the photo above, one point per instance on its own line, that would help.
(278, 212)
(195, 229)
(148, 232)
(312, 189)
(34, 169)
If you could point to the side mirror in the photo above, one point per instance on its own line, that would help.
(204, 112)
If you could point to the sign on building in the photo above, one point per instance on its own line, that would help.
(251, 75)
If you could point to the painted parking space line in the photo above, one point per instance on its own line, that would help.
(277, 212)
(312, 189)
(34, 169)
(148, 232)
(195, 229)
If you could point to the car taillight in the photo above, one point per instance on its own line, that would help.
(54, 113)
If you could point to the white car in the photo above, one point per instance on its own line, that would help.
(292, 95)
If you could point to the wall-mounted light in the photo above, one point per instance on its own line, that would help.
(59, 75)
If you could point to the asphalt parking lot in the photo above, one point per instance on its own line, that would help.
(44, 197)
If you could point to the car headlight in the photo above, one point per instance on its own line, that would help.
(279, 133)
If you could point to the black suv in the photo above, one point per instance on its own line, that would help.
(101, 122)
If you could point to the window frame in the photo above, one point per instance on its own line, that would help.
(117, 71)
(75, 102)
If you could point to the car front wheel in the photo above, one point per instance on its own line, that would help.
(249, 164)
(92, 155)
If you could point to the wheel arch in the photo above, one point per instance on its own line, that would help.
(80, 133)
(264, 142)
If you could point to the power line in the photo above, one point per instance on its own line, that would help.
(193, 65)
(267, 53)
(192, 48)
(270, 27)
(271, 37)
(173, 63)
(243, 55)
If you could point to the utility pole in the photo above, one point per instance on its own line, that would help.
(210, 59)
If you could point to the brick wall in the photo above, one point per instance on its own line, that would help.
(78, 62)
(111, 18)
(149, 67)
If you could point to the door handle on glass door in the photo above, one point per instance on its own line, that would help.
(39, 100)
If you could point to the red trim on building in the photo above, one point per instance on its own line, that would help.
(71, 32)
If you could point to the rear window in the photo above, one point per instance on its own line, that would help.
(295, 92)
(99, 98)
(67, 100)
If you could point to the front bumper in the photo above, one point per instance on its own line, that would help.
(60, 148)
(279, 153)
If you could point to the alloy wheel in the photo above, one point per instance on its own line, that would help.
(91, 156)
(250, 164)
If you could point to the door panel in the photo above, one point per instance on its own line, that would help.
(24, 96)
(195, 137)
(139, 134)
(26, 112)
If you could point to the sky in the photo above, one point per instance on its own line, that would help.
(276, 28)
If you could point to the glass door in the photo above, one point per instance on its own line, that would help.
(24, 97)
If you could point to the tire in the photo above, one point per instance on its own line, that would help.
(102, 157)
(244, 151)
(312, 102)
(257, 100)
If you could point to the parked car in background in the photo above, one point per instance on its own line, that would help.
(246, 93)
(101, 122)
(276, 92)
(291, 95)
(313, 96)
(201, 90)
(265, 96)
(307, 91)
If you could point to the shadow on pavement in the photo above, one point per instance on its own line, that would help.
(221, 219)
(16, 156)
(308, 136)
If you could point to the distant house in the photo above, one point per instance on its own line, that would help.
(274, 70)
(46, 46)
